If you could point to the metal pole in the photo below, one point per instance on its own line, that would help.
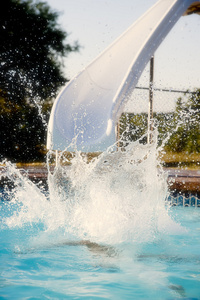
(118, 134)
(150, 111)
(57, 158)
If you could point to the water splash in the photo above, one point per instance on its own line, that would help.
(119, 197)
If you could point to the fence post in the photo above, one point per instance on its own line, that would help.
(150, 111)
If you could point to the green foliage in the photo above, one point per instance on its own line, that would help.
(164, 122)
(133, 126)
(186, 134)
(32, 47)
(31, 44)
(179, 131)
(22, 133)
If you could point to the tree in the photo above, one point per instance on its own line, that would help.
(32, 47)
(180, 130)
(133, 127)
(186, 133)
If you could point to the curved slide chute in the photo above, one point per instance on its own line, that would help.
(85, 113)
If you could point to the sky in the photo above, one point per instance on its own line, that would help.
(95, 24)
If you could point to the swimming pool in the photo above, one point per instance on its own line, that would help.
(107, 238)
(46, 265)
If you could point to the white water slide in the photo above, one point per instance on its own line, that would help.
(88, 108)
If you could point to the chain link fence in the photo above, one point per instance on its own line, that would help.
(164, 100)
(175, 114)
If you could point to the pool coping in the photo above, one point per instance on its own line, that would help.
(178, 179)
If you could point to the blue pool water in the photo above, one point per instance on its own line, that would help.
(101, 231)
(39, 264)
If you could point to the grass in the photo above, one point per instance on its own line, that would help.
(182, 160)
